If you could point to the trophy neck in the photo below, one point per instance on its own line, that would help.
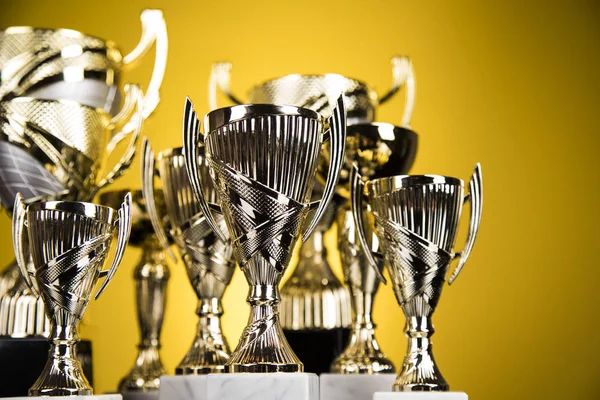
(362, 307)
(419, 370)
(209, 307)
(314, 249)
(65, 333)
(152, 251)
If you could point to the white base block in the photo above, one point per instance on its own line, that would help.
(140, 395)
(263, 386)
(92, 397)
(354, 387)
(420, 396)
(183, 387)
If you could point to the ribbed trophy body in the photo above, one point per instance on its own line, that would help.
(69, 243)
(209, 262)
(151, 276)
(263, 160)
(362, 355)
(315, 306)
(416, 220)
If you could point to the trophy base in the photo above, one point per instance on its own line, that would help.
(317, 348)
(354, 387)
(85, 397)
(23, 360)
(299, 386)
(420, 396)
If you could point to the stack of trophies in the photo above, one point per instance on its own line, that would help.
(301, 153)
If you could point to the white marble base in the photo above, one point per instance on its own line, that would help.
(354, 387)
(420, 396)
(140, 395)
(92, 397)
(267, 386)
(183, 387)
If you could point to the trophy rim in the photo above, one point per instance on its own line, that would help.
(381, 186)
(19, 29)
(68, 102)
(305, 76)
(90, 210)
(226, 115)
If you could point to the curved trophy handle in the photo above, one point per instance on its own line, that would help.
(356, 202)
(154, 31)
(123, 164)
(475, 196)
(220, 78)
(126, 113)
(124, 222)
(191, 140)
(19, 239)
(148, 194)
(337, 146)
(403, 75)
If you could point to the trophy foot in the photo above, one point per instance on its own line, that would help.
(363, 355)
(209, 352)
(145, 375)
(62, 375)
(263, 346)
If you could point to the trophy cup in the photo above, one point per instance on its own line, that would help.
(263, 160)
(319, 92)
(416, 220)
(151, 276)
(68, 243)
(209, 261)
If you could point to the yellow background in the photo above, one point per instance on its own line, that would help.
(513, 85)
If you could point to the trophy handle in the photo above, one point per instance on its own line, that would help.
(356, 202)
(124, 222)
(403, 75)
(154, 32)
(220, 78)
(18, 236)
(337, 145)
(127, 158)
(475, 196)
(148, 194)
(191, 140)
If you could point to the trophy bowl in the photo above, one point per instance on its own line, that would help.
(55, 64)
(320, 92)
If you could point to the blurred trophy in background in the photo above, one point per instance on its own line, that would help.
(63, 111)
(68, 243)
(263, 160)
(151, 276)
(208, 260)
(318, 319)
(416, 220)
(378, 149)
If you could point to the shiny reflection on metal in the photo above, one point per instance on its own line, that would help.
(362, 355)
(313, 297)
(68, 140)
(263, 160)
(379, 149)
(69, 243)
(416, 220)
(151, 277)
(32, 59)
(209, 262)
(320, 92)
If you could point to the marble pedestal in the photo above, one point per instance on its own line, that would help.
(239, 386)
(92, 397)
(354, 387)
(420, 396)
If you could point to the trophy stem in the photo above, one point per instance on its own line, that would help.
(419, 371)
(62, 375)
(209, 351)
(362, 355)
(263, 346)
(151, 277)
